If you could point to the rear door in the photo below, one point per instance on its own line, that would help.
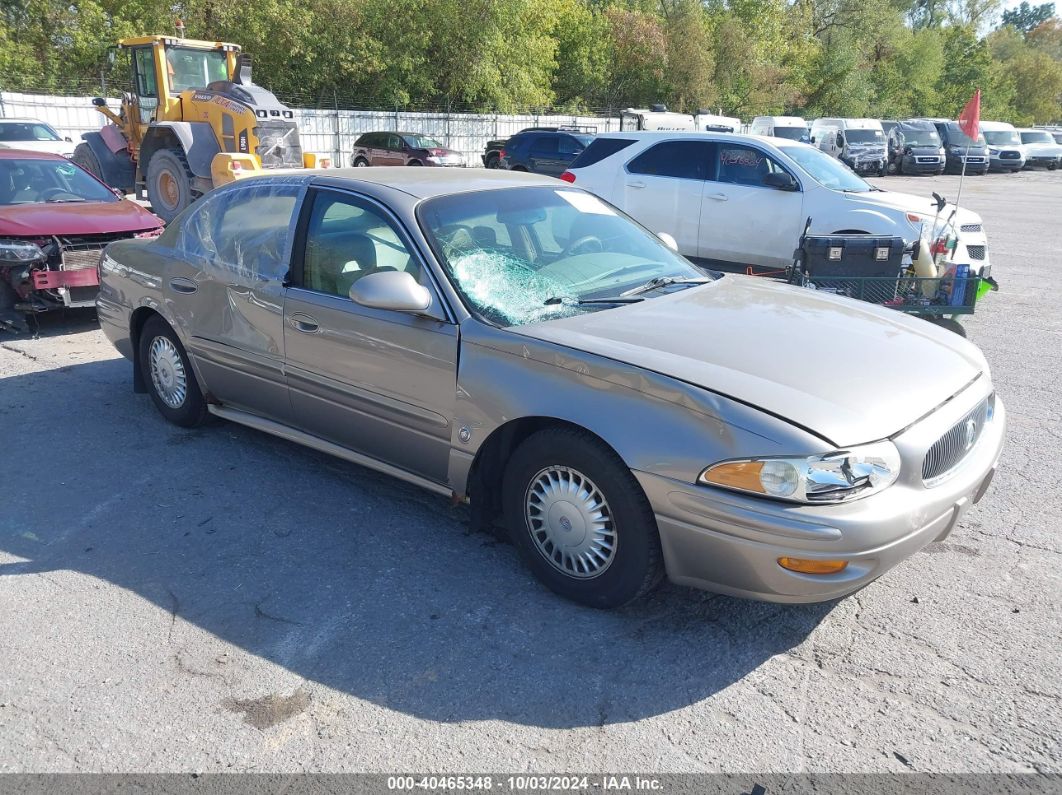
(544, 156)
(379, 382)
(663, 188)
(743, 220)
(225, 290)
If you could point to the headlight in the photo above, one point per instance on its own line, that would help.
(833, 477)
(19, 251)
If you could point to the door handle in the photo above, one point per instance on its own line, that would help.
(719, 197)
(182, 285)
(304, 323)
(635, 184)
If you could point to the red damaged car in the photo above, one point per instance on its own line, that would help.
(55, 219)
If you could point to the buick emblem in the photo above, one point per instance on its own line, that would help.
(971, 433)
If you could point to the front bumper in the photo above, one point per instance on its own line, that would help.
(975, 164)
(922, 164)
(997, 162)
(728, 543)
(1041, 161)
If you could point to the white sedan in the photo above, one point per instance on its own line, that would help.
(744, 199)
(33, 135)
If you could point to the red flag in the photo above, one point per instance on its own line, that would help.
(970, 118)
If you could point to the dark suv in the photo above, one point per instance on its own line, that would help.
(402, 149)
(541, 152)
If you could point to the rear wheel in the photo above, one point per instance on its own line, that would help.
(414, 163)
(168, 375)
(580, 520)
(361, 162)
(493, 160)
(169, 183)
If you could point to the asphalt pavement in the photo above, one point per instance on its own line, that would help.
(221, 600)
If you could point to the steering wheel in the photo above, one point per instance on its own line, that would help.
(592, 241)
(51, 193)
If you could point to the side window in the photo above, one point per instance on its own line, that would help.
(394, 143)
(544, 146)
(144, 63)
(682, 159)
(245, 231)
(745, 165)
(348, 238)
(569, 146)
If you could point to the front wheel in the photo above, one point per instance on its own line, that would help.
(580, 519)
(168, 375)
(361, 162)
(169, 183)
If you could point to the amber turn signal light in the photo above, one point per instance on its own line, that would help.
(813, 566)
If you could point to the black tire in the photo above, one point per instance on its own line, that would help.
(414, 163)
(949, 323)
(360, 162)
(493, 160)
(636, 564)
(86, 158)
(167, 198)
(518, 168)
(193, 410)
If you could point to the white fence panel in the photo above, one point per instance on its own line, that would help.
(327, 132)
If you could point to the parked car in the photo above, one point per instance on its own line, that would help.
(543, 152)
(1041, 151)
(492, 152)
(55, 219)
(915, 148)
(744, 200)
(960, 148)
(521, 344)
(793, 128)
(1005, 150)
(858, 143)
(33, 135)
(402, 149)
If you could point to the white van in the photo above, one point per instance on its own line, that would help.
(655, 118)
(1005, 152)
(792, 127)
(858, 143)
(710, 122)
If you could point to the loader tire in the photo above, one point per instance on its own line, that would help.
(86, 158)
(169, 183)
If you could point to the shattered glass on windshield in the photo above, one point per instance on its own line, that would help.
(505, 286)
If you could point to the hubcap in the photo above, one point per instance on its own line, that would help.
(167, 372)
(570, 522)
(168, 189)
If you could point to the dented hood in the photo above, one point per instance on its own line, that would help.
(848, 371)
(75, 218)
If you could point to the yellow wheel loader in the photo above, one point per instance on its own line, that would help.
(194, 120)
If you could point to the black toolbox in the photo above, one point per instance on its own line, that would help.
(851, 255)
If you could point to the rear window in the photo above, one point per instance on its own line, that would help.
(599, 149)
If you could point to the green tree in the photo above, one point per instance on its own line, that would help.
(1026, 17)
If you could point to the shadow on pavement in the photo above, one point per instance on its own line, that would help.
(343, 576)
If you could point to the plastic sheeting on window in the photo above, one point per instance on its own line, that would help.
(245, 230)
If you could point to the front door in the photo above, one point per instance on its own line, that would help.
(663, 186)
(744, 221)
(379, 382)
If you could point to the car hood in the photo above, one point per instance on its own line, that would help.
(1043, 150)
(76, 218)
(912, 204)
(847, 371)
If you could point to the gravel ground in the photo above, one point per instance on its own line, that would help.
(220, 600)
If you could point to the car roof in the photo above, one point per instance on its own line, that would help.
(28, 154)
(663, 135)
(23, 119)
(424, 183)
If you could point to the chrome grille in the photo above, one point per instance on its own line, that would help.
(976, 252)
(951, 448)
(970, 228)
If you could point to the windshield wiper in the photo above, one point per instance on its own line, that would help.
(556, 299)
(664, 281)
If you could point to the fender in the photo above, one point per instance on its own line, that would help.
(873, 221)
(195, 139)
(116, 167)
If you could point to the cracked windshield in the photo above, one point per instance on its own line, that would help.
(521, 255)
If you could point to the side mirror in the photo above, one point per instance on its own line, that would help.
(68, 139)
(99, 102)
(668, 241)
(781, 180)
(394, 290)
